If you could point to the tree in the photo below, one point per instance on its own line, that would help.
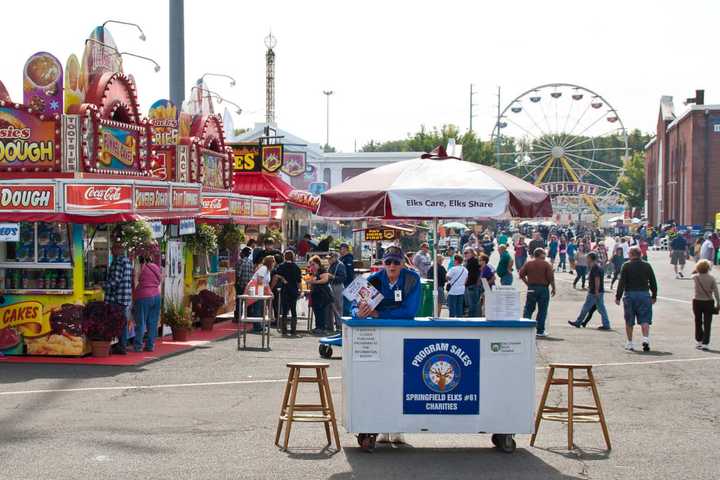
(632, 183)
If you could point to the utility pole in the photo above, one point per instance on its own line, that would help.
(472, 105)
(497, 132)
(177, 52)
(327, 94)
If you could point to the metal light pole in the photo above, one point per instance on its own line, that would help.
(177, 52)
(497, 136)
(92, 40)
(119, 22)
(327, 94)
(472, 105)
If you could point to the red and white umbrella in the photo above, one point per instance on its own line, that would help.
(435, 187)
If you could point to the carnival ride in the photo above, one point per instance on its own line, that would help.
(568, 140)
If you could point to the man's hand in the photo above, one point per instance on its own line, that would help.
(654, 300)
(552, 291)
(364, 310)
(617, 301)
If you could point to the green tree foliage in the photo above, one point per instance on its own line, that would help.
(632, 183)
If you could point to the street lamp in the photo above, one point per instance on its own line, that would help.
(218, 97)
(327, 94)
(92, 40)
(142, 34)
(202, 77)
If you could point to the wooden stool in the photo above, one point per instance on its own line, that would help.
(585, 414)
(289, 409)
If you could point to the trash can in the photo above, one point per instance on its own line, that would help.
(426, 301)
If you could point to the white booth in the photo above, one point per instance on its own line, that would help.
(439, 376)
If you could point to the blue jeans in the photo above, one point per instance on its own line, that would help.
(637, 307)
(599, 302)
(520, 261)
(562, 263)
(472, 300)
(455, 305)
(147, 314)
(580, 274)
(537, 295)
(506, 279)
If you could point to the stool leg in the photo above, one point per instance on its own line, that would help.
(570, 400)
(291, 406)
(244, 312)
(328, 396)
(601, 414)
(538, 417)
(323, 402)
(283, 407)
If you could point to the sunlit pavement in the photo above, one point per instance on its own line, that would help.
(212, 412)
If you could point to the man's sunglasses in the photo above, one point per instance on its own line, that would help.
(392, 262)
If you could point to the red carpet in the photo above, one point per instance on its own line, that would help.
(164, 347)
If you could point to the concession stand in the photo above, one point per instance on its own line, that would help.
(438, 375)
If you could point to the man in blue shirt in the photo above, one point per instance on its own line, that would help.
(678, 254)
(399, 286)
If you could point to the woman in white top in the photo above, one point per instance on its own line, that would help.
(263, 275)
(705, 301)
(455, 286)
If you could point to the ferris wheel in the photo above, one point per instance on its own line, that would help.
(569, 141)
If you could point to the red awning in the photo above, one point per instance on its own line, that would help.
(266, 185)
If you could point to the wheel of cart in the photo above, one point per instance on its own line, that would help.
(366, 441)
(504, 442)
(326, 344)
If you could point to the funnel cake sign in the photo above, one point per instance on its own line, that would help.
(27, 198)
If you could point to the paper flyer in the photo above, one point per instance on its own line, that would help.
(361, 291)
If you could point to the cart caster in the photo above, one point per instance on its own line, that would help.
(325, 351)
(367, 441)
(504, 442)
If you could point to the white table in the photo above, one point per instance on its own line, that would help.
(263, 320)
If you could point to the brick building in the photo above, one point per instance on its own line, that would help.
(682, 164)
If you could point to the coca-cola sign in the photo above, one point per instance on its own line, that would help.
(98, 197)
(27, 198)
(213, 206)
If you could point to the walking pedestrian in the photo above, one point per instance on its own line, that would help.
(147, 304)
(696, 249)
(595, 296)
(441, 280)
(538, 275)
(487, 272)
(422, 261)
(456, 278)
(118, 290)
(472, 283)
(553, 249)
(505, 266)
(602, 256)
(643, 244)
(562, 254)
(571, 252)
(678, 254)
(617, 263)
(320, 294)
(705, 302)
(337, 284)
(581, 264)
(638, 284)
(290, 279)
(536, 242)
(487, 245)
(707, 249)
(521, 251)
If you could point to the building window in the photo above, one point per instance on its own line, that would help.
(716, 127)
(327, 177)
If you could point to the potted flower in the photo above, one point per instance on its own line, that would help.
(179, 321)
(205, 306)
(201, 244)
(230, 238)
(101, 322)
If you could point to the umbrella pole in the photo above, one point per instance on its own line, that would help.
(435, 268)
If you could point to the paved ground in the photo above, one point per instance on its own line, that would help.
(211, 413)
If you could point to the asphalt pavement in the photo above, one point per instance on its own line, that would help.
(211, 413)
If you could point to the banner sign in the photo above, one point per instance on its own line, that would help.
(441, 376)
(98, 197)
(185, 198)
(260, 208)
(272, 157)
(305, 199)
(187, 226)
(215, 206)
(27, 317)
(246, 207)
(70, 142)
(446, 202)
(26, 142)
(43, 84)
(9, 232)
(164, 123)
(152, 198)
(28, 198)
(236, 207)
(569, 188)
(379, 234)
(213, 169)
(246, 158)
(294, 163)
(119, 148)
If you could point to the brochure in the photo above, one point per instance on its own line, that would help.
(361, 291)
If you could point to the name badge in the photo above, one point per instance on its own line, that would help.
(398, 295)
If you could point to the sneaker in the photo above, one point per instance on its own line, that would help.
(681, 275)
(705, 348)
(602, 327)
(646, 346)
(629, 346)
(541, 334)
(699, 345)
(573, 324)
(677, 275)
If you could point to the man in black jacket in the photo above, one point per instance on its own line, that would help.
(637, 281)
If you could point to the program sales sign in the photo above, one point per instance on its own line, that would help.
(448, 202)
(441, 376)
